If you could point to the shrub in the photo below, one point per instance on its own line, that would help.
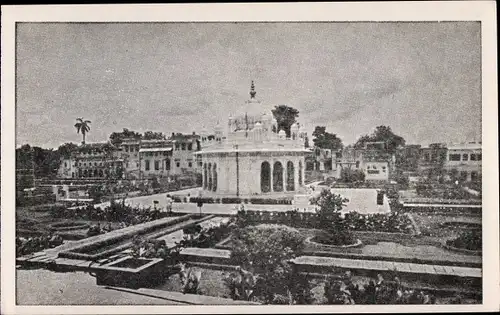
(266, 250)
(470, 240)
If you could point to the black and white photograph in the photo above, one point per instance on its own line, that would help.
(307, 162)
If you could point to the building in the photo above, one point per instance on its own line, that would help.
(252, 159)
(92, 161)
(464, 160)
(373, 160)
(320, 160)
(184, 160)
(155, 158)
(432, 157)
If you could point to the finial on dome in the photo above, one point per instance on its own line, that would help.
(252, 90)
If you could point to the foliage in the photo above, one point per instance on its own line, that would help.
(382, 134)
(470, 240)
(83, 127)
(196, 236)
(116, 138)
(153, 248)
(26, 246)
(351, 176)
(380, 291)
(330, 205)
(45, 162)
(285, 116)
(326, 140)
(116, 212)
(153, 135)
(96, 192)
(266, 250)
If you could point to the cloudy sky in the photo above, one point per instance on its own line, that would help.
(422, 79)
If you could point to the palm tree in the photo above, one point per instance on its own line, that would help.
(82, 126)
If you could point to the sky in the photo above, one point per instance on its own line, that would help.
(421, 79)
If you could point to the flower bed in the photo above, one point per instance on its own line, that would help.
(443, 201)
(116, 212)
(236, 200)
(469, 241)
(393, 222)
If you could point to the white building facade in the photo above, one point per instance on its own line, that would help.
(252, 159)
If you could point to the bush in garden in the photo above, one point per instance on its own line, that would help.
(265, 250)
(329, 204)
(470, 240)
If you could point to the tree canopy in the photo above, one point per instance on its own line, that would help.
(382, 134)
(325, 140)
(285, 116)
(153, 135)
(82, 126)
(116, 138)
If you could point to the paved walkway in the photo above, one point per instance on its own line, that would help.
(44, 287)
(361, 200)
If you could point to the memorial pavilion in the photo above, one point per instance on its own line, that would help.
(250, 158)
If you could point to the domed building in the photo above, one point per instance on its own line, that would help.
(252, 158)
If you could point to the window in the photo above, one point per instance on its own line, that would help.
(373, 171)
(479, 157)
(473, 157)
(157, 165)
(126, 165)
(463, 175)
(178, 164)
(167, 164)
(190, 146)
(183, 147)
(465, 157)
(454, 157)
(126, 149)
(474, 176)
(190, 164)
(383, 168)
(427, 157)
(147, 165)
(200, 163)
(177, 147)
(65, 164)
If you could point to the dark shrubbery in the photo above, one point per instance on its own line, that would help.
(263, 253)
(196, 236)
(469, 240)
(26, 246)
(116, 212)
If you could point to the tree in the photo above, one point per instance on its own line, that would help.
(325, 140)
(285, 116)
(116, 138)
(66, 149)
(348, 175)
(382, 134)
(82, 126)
(329, 204)
(152, 135)
(266, 250)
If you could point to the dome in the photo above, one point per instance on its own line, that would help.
(295, 127)
(258, 125)
(282, 133)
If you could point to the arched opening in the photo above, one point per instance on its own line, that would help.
(72, 174)
(205, 176)
(214, 184)
(101, 173)
(80, 174)
(300, 174)
(85, 173)
(290, 176)
(277, 177)
(96, 173)
(209, 176)
(265, 177)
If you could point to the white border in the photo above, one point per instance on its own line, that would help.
(483, 11)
